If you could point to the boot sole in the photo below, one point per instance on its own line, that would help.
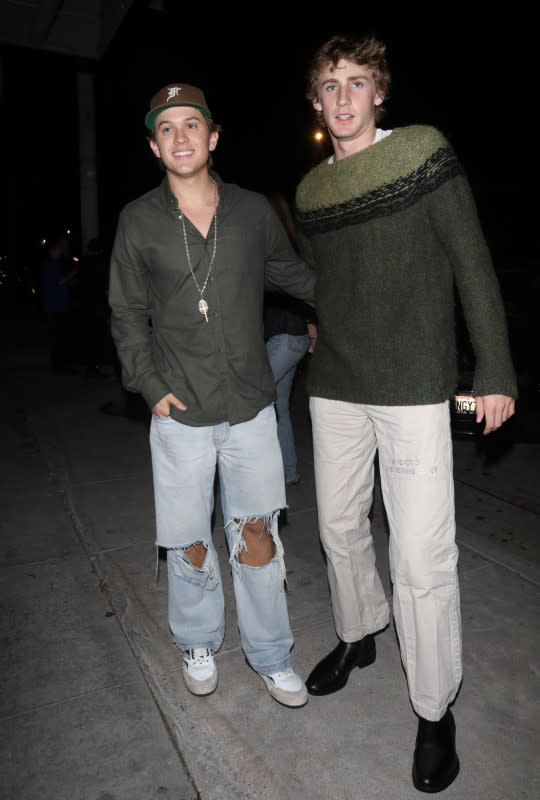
(433, 790)
(337, 687)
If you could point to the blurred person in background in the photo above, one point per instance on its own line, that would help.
(57, 274)
(287, 341)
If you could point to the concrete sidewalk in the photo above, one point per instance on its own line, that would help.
(94, 705)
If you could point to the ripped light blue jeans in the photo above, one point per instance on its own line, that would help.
(250, 468)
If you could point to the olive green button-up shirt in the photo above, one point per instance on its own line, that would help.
(218, 368)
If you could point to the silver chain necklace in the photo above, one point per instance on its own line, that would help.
(203, 305)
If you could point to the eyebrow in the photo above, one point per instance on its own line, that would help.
(360, 76)
(185, 119)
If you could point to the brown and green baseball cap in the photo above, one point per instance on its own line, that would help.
(176, 94)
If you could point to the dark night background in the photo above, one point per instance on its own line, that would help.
(472, 76)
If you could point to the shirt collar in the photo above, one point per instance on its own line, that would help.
(170, 200)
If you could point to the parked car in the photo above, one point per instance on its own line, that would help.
(463, 412)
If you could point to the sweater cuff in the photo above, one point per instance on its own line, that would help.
(482, 388)
(154, 390)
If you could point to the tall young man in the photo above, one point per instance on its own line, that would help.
(389, 223)
(188, 271)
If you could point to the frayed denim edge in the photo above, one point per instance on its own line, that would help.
(235, 528)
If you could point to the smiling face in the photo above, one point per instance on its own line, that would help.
(347, 97)
(183, 141)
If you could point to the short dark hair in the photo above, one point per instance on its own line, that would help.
(365, 51)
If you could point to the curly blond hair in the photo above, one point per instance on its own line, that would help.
(367, 51)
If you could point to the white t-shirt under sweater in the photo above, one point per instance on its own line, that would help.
(379, 136)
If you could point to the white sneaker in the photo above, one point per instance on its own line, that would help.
(200, 673)
(286, 687)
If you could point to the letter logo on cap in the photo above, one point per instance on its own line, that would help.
(174, 91)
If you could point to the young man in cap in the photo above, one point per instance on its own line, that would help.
(389, 223)
(191, 257)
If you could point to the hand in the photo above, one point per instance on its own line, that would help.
(312, 333)
(163, 408)
(495, 409)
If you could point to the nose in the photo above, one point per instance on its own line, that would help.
(343, 96)
(180, 134)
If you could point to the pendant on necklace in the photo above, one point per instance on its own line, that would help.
(203, 308)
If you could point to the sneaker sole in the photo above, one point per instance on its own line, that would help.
(287, 699)
(200, 688)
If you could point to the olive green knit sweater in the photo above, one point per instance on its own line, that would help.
(389, 230)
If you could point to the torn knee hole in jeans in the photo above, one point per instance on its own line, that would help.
(196, 553)
(238, 544)
(203, 573)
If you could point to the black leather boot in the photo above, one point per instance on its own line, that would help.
(435, 762)
(332, 673)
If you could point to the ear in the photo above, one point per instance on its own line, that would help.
(154, 148)
(212, 144)
(379, 97)
(316, 104)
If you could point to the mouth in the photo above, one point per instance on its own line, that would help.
(182, 153)
(344, 117)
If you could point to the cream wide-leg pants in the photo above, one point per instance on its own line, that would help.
(415, 463)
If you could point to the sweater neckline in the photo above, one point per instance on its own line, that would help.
(380, 134)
